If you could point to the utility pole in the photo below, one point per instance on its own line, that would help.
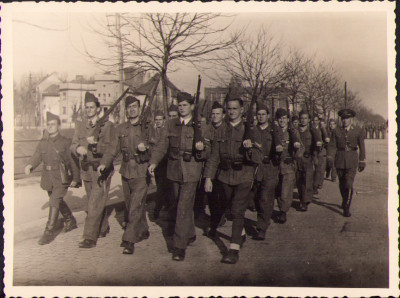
(120, 66)
(345, 94)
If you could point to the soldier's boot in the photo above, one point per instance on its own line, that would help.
(49, 233)
(69, 220)
(346, 209)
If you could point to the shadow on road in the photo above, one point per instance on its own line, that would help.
(328, 206)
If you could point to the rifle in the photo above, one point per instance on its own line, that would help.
(146, 109)
(250, 117)
(196, 119)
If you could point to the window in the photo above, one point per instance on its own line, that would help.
(64, 110)
(104, 95)
(99, 94)
(109, 95)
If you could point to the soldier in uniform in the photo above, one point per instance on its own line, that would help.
(58, 171)
(310, 143)
(162, 196)
(215, 201)
(90, 149)
(185, 161)
(287, 143)
(295, 122)
(345, 142)
(320, 156)
(132, 141)
(267, 173)
(330, 167)
(173, 112)
(233, 162)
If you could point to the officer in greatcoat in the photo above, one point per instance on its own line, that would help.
(185, 160)
(347, 149)
(90, 149)
(59, 172)
(131, 140)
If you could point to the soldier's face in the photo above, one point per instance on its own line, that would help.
(91, 110)
(133, 110)
(234, 110)
(262, 116)
(283, 121)
(173, 114)
(346, 122)
(295, 123)
(332, 125)
(217, 115)
(52, 126)
(185, 108)
(304, 120)
(316, 120)
(159, 121)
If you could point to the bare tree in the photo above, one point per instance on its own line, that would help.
(159, 42)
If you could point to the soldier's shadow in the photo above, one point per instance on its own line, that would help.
(329, 206)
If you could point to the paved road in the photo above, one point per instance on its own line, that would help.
(319, 248)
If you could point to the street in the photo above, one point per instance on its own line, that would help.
(318, 248)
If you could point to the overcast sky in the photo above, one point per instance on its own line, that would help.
(354, 42)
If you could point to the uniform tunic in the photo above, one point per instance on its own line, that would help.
(46, 153)
(97, 194)
(177, 142)
(234, 167)
(133, 170)
(320, 157)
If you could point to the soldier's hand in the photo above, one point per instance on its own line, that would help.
(101, 168)
(296, 145)
(74, 184)
(327, 140)
(247, 144)
(151, 169)
(279, 148)
(208, 185)
(319, 144)
(28, 169)
(361, 166)
(91, 140)
(199, 146)
(81, 150)
(142, 147)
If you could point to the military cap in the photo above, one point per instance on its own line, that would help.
(346, 113)
(262, 107)
(295, 117)
(173, 108)
(280, 113)
(130, 100)
(89, 97)
(216, 105)
(51, 116)
(158, 113)
(184, 96)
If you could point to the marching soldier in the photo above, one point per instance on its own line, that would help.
(233, 162)
(310, 142)
(286, 145)
(59, 171)
(267, 174)
(320, 154)
(90, 151)
(346, 141)
(132, 141)
(295, 122)
(330, 167)
(184, 166)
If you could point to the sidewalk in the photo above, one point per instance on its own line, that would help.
(318, 248)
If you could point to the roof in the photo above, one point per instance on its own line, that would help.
(147, 87)
(52, 90)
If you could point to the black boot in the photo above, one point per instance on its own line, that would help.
(231, 257)
(347, 203)
(69, 220)
(49, 233)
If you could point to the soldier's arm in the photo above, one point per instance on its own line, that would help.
(36, 158)
(254, 153)
(160, 149)
(75, 140)
(73, 165)
(331, 149)
(361, 146)
(114, 148)
(213, 161)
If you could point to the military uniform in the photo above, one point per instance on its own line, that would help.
(348, 143)
(305, 171)
(330, 167)
(184, 170)
(133, 172)
(267, 178)
(319, 158)
(234, 166)
(97, 192)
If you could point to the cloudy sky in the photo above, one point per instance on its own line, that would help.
(355, 42)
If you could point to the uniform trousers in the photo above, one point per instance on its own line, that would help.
(237, 197)
(265, 198)
(287, 176)
(346, 180)
(216, 203)
(135, 191)
(97, 198)
(184, 194)
(55, 197)
(304, 180)
(320, 167)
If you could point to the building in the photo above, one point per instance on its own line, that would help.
(51, 100)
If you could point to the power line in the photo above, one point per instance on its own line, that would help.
(38, 26)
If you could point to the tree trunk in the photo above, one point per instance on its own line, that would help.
(164, 91)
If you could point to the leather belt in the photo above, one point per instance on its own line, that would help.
(49, 168)
(347, 149)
